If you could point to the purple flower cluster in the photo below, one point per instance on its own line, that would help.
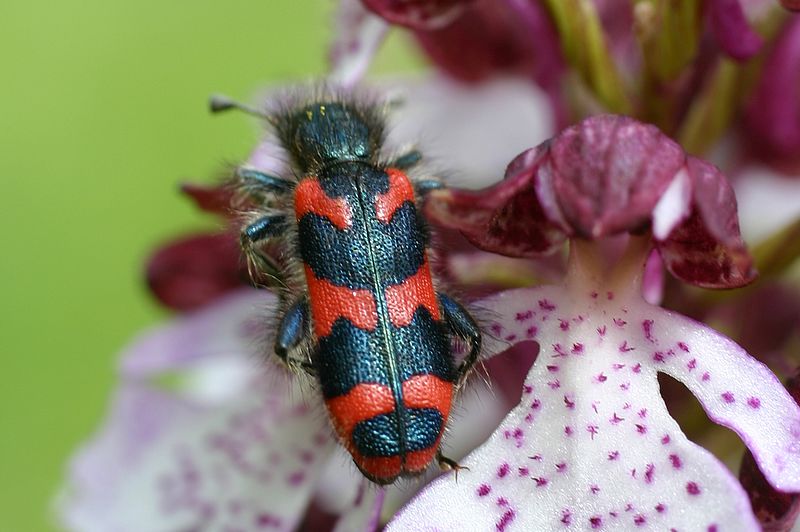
(607, 115)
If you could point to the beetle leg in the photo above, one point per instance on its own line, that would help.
(255, 181)
(407, 160)
(292, 330)
(448, 464)
(260, 265)
(425, 186)
(462, 325)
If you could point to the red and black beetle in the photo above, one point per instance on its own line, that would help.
(379, 333)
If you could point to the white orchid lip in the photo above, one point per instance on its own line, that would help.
(591, 444)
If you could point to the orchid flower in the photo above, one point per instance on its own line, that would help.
(204, 435)
(591, 444)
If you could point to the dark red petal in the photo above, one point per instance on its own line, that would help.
(791, 5)
(775, 510)
(506, 218)
(606, 174)
(493, 37)
(215, 199)
(707, 249)
(418, 14)
(772, 115)
(731, 29)
(195, 270)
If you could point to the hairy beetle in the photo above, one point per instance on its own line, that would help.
(377, 335)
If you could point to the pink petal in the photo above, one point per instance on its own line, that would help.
(358, 36)
(418, 14)
(707, 249)
(732, 30)
(365, 512)
(592, 445)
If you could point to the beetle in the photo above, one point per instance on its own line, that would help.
(368, 323)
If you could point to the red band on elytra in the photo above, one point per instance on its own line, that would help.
(400, 191)
(405, 298)
(310, 198)
(330, 302)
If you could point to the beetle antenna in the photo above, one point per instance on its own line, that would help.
(219, 103)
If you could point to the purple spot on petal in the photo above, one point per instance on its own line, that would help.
(568, 430)
(540, 482)
(569, 403)
(595, 489)
(641, 429)
(503, 470)
(618, 366)
(594, 295)
(706, 377)
(665, 439)
(639, 520)
(535, 404)
(658, 356)
(496, 328)
(649, 473)
(566, 517)
(484, 490)
(577, 348)
(637, 368)
(596, 521)
(610, 296)
(728, 397)
(619, 322)
(624, 348)
(613, 455)
(546, 305)
(505, 520)
(676, 461)
(591, 429)
(563, 324)
(536, 457)
(523, 471)
(267, 520)
(643, 413)
(511, 337)
(552, 368)
(601, 378)
(692, 364)
(754, 402)
(502, 501)
(296, 478)
(559, 350)
(660, 508)
(531, 331)
(683, 347)
(561, 467)
(712, 528)
(522, 316)
(615, 419)
(692, 488)
(647, 327)
(601, 330)
(554, 384)
(527, 389)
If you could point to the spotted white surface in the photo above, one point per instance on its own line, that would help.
(592, 446)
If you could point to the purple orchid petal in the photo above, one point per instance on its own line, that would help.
(174, 461)
(591, 444)
(772, 114)
(191, 272)
(707, 249)
(497, 37)
(419, 14)
(605, 176)
(653, 279)
(731, 29)
(776, 511)
(506, 218)
(365, 511)
(791, 5)
(229, 329)
(359, 34)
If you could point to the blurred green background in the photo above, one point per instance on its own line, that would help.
(103, 112)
